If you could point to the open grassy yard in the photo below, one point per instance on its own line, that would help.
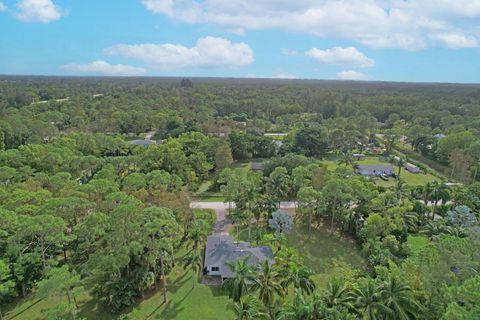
(185, 302)
(411, 179)
(327, 254)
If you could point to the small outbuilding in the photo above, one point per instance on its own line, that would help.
(412, 168)
(358, 156)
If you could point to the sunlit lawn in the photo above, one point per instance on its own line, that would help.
(327, 254)
(412, 179)
(186, 302)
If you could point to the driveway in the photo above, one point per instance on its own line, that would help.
(223, 223)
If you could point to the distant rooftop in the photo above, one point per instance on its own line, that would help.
(142, 142)
(256, 166)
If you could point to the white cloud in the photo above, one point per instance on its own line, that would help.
(42, 11)
(352, 75)
(404, 24)
(275, 75)
(455, 40)
(3, 7)
(104, 68)
(348, 56)
(289, 52)
(209, 52)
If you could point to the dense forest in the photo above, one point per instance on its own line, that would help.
(83, 208)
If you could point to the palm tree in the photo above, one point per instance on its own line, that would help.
(267, 282)
(368, 302)
(194, 260)
(197, 233)
(337, 294)
(300, 277)
(346, 158)
(299, 310)
(247, 308)
(240, 284)
(438, 192)
(398, 297)
(401, 189)
(411, 221)
(400, 163)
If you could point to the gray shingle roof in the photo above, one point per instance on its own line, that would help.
(142, 142)
(221, 249)
(374, 170)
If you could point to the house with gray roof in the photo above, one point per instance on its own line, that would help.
(221, 249)
(143, 143)
(257, 166)
(374, 170)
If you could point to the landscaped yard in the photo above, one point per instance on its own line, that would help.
(412, 179)
(186, 302)
(327, 254)
(204, 195)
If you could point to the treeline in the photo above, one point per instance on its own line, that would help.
(421, 244)
(92, 209)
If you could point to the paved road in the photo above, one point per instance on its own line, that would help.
(150, 134)
(223, 223)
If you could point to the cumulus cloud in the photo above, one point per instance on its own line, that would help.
(3, 7)
(455, 40)
(348, 56)
(352, 75)
(275, 75)
(42, 11)
(104, 68)
(289, 52)
(209, 52)
(404, 24)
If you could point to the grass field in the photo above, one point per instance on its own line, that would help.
(411, 179)
(185, 302)
(327, 254)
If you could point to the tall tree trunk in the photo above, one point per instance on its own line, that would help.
(435, 203)
(164, 282)
(270, 312)
(309, 224)
(333, 214)
(173, 257)
(44, 259)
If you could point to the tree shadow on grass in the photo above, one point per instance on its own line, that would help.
(218, 291)
(18, 314)
(172, 308)
(177, 283)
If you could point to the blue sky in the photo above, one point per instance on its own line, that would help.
(408, 40)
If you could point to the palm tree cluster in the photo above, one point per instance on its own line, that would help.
(258, 291)
(261, 292)
(369, 299)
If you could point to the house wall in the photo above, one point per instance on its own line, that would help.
(213, 273)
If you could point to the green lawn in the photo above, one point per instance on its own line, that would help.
(412, 179)
(327, 254)
(186, 302)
